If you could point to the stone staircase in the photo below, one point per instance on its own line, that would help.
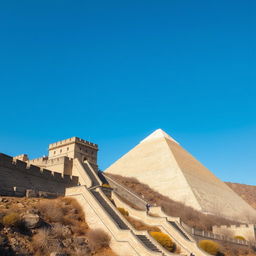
(98, 206)
(148, 243)
(120, 221)
(167, 224)
(177, 227)
(92, 175)
(110, 211)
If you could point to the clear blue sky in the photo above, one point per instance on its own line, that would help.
(114, 71)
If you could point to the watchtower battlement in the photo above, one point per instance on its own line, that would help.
(72, 140)
(61, 155)
(74, 148)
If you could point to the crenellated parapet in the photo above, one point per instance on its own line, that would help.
(243, 230)
(16, 173)
(71, 141)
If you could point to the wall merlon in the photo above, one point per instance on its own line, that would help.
(70, 141)
(57, 176)
(44, 158)
(20, 164)
(34, 168)
(67, 178)
(47, 173)
(75, 179)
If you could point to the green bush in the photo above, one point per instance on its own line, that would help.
(164, 240)
(209, 246)
(123, 211)
(239, 238)
(11, 220)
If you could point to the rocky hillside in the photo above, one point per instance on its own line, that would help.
(48, 227)
(247, 192)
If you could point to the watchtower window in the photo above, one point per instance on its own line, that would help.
(60, 150)
(54, 152)
(67, 148)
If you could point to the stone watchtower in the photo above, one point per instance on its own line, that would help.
(62, 153)
(74, 148)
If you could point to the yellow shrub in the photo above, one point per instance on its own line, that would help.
(164, 240)
(209, 246)
(123, 211)
(239, 238)
(106, 185)
(11, 219)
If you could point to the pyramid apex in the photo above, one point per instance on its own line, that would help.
(157, 134)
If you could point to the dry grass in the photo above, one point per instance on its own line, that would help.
(63, 223)
(139, 225)
(235, 250)
(129, 203)
(40, 240)
(51, 210)
(98, 239)
(247, 192)
(187, 214)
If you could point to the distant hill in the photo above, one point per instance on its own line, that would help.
(247, 192)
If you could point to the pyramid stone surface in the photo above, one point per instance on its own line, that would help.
(160, 162)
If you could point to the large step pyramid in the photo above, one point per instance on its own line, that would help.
(160, 162)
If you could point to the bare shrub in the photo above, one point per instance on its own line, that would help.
(58, 231)
(139, 225)
(41, 239)
(11, 220)
(51, 210)
(73, 208)
(82, 252)
(79, 228)
(98, 239)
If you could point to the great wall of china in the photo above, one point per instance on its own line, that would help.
(85, 183)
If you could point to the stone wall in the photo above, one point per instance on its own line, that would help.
(246, 231)
(18, 175)
(61, 164)
(126, 194)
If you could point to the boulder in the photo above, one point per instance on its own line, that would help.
(31, 220)
(67, 242)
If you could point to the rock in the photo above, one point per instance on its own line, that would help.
(33, 211)
(1, 199)
(57, 254)
(67, 231)
(79, 240)
(20, 205)
(31, 220)
(67, 242)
